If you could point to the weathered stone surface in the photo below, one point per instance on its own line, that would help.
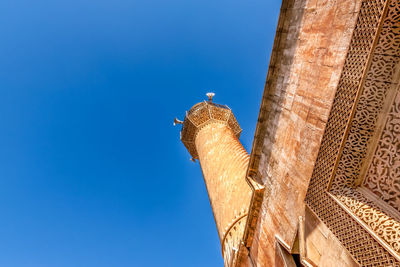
(321, 246)
(306, 62)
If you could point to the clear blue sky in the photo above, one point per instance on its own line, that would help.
(92, 172)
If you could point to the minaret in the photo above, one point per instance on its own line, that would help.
(211, 133)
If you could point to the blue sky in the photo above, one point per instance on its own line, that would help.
(92, 173)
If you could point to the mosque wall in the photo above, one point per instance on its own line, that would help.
(309, 51)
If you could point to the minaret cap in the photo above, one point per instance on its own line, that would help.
(202, 114)
(210, 96)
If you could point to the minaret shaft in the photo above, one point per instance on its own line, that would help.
(224, 163)
(210, 132)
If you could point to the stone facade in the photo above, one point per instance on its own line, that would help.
(321, 120)
(323, 174)
(308, 56)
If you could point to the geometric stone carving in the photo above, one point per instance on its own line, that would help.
(383, 176)
(376, 96)
(365, 224)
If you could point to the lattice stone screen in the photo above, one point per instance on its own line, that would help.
(355, 186)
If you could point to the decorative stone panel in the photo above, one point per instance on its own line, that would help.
(355, 152)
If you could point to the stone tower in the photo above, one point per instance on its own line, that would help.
(211, 133)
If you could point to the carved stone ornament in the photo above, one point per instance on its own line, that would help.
(355, 185)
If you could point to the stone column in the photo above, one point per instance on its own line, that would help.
(211, 133)
(224, 163)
